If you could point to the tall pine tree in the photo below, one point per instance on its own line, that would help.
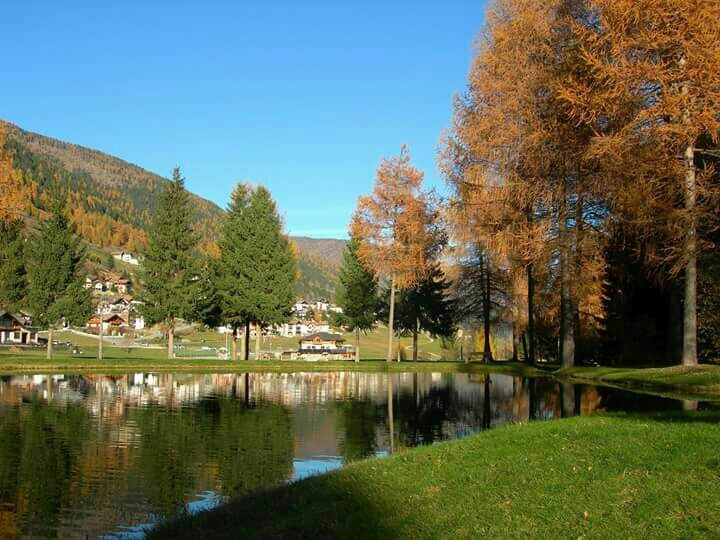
(12, 265)
(275, 268)
(257, 266)
(357, 294)
(236, 260)
(170, 275)
(55, 276)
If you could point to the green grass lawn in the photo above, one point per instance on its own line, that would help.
(373, 345)
(612, 476)
(703, 378)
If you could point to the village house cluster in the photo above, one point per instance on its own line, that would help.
(117, 312)
(308, 318)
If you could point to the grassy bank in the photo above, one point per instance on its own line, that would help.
(703, 379)
(118, 362)
(597, 477)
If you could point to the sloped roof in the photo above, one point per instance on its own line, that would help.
(324, 336)
(17, 318)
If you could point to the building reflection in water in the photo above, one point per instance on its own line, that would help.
(81, 455)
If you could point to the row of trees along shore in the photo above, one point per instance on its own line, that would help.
(582, 170)
(588, 126)
(586, 143)
(250, 283)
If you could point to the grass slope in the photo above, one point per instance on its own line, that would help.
(597, 477)
(702, 378)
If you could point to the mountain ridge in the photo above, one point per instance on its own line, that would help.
(111, 203)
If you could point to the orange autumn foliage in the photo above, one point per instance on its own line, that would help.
(12, 200)
(397, 224)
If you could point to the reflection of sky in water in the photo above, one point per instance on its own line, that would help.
(205, 501)
(302, 468)
(137, 447)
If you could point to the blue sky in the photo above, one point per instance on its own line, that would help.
(304, 97)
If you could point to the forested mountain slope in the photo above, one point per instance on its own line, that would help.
(112, 202)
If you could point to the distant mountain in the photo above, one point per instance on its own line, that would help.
(319, 261)
(112, 203)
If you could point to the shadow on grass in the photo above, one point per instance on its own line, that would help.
(365, 499)
(328, 506)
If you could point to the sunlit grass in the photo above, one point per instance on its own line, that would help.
(590, 477)
(704, 378)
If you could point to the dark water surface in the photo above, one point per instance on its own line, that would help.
(87, 456)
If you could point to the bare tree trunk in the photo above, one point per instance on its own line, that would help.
(689, 352)
(577, 260)
(258, 337)
(530, 347)
(415, 339)
(49, 353)
(234, 343)
(515, 342)
(532, 398)
(568, 400)
(391, 420)
(391, 320)
(100, 340)
(247, 340)
(567, 323)
(487, 349)
(486, 403)
(357, 345)
(171, 341)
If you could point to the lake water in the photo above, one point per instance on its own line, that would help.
(87, 456)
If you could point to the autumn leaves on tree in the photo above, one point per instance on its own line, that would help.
(398, 229)
(582, 117)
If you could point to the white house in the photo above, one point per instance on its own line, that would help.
(322, 305)
(295, 328)
(126, 257)
(321, 346)
(16, 330)
(113, 325)
(301, 309)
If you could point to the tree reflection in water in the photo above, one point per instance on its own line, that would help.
(82, 455)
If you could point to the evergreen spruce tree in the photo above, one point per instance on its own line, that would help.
(357, 294)
(236, 261)
(257, 265)
(55, 275)
(13, 280)
(170, 275)
(206, 301)
(426, 308)
(274, 269)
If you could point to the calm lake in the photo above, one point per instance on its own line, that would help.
(87, 456)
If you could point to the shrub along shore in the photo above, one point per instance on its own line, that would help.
(603, 476)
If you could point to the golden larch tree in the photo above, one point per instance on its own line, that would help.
(652, 97)
(396, 226)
